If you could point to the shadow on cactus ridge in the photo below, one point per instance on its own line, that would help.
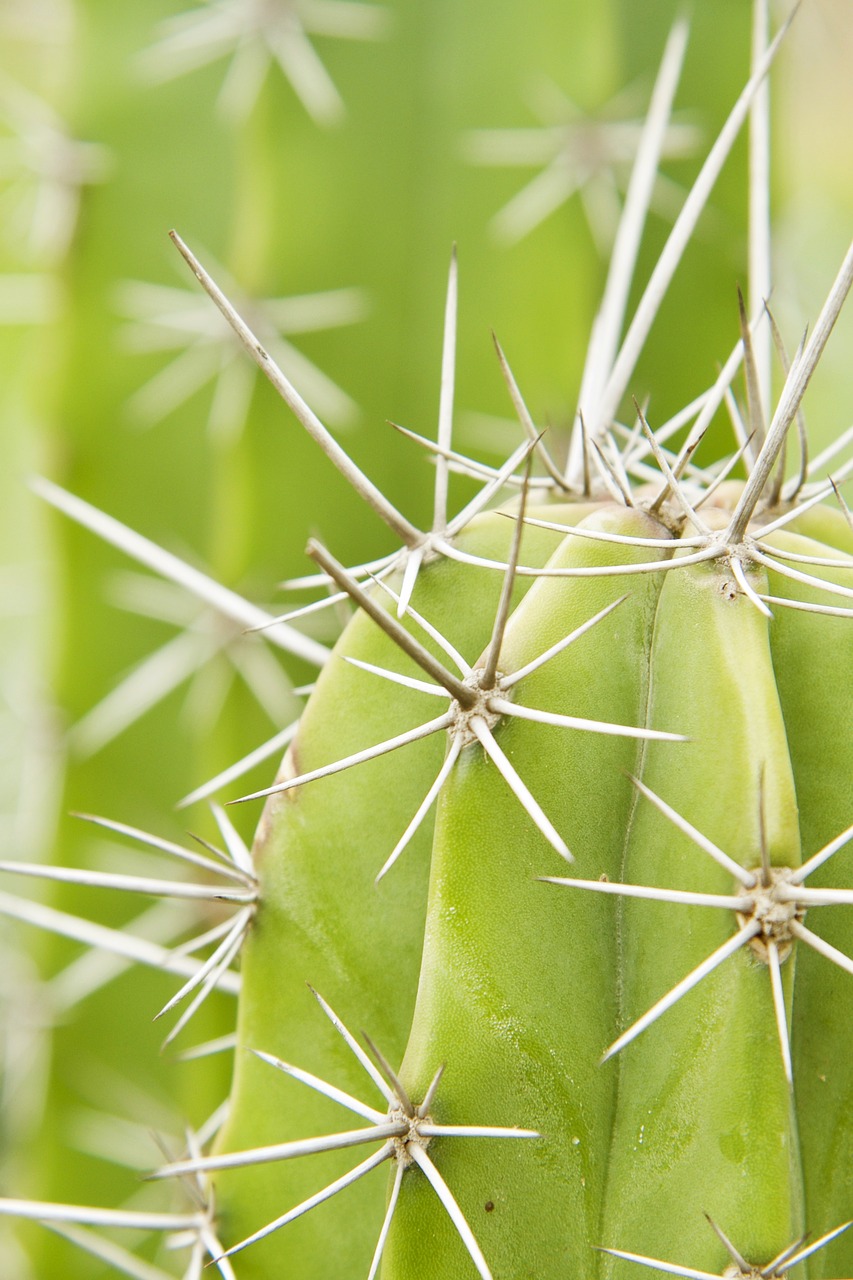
(638, 665)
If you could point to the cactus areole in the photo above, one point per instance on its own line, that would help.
(547, 931)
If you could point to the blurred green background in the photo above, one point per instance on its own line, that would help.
(120, 382)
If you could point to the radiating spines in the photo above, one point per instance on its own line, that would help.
(479, 697)
(739, 1267)
(519, 1012)
(183, 654)
(797, 381)
(769, 906)
(362, 945)
(599, 447)
(709, 821)
(315, 869)
(417, 546)
(579, 154)
(237, 887)
(404, 1130)
(195, 1229)
(187, 1226)
(253, 36)
(183, 325)
(813, 665)
(613, 379)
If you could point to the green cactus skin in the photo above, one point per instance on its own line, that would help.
(703, 1101)
(330, 927)
(535, 1018)
(810, 700)
(517, 987)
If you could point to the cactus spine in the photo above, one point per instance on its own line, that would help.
(563, 1070)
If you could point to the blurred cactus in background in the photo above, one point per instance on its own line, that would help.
(321, 158)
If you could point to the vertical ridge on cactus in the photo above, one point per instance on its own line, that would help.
(407, 1131)
(777, 892)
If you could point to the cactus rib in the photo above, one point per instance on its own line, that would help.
(405, 1131)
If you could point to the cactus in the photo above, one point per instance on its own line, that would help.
(637, 665)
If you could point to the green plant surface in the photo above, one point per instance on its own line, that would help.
(360, 942)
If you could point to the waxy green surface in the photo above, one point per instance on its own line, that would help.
(518, 988)
(324, 920)
(704, 1122)
(813, 662)
(463, 957)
